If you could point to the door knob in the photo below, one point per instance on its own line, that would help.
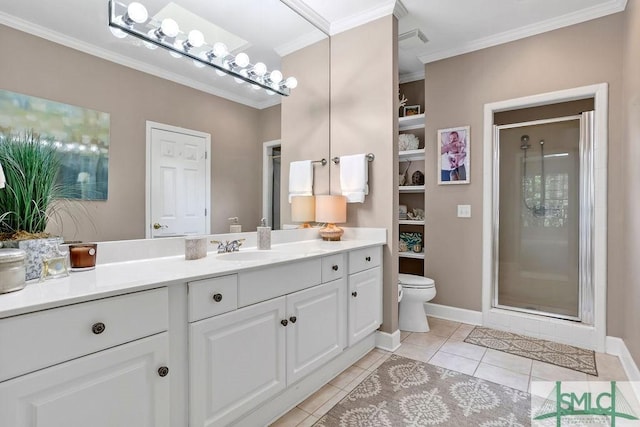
(217, 297)
(98, 328)
(335, 267)
(293, 319)
(284, 322)
(158, 226)
(163, 371)
(354, 294)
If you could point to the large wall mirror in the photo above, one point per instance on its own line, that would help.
(63, 51)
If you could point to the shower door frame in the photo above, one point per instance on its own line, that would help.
(585, 214)
(592, 335)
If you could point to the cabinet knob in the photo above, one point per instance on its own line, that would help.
(368, 259)
(163, 371)
(354, 294)
(293, 319)
(335, 268)
(284, 322)
(98, 328)
(217, 297)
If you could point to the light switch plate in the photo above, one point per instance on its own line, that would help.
(464, 211)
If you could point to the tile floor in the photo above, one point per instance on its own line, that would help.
(444, 346)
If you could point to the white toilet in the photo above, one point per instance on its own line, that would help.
(416, 290)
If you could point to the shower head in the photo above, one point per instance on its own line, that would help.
(524, 142)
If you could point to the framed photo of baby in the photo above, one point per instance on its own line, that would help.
(455, 157)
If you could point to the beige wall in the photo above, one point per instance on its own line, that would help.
(41, 68)
(457, 89)
(364, 82)
(630, 203)
(269, 123)
(305, 118)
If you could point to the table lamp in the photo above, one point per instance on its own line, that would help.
(332, 210)
(303, 209)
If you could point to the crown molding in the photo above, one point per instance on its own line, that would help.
(400, 10)
(303, 9)
(594, 12)
(411, 77)
(362, 18)
(70, 42)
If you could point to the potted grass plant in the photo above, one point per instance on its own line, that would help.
(31, 196)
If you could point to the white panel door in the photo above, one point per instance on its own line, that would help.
(178, 184)
(236, 362)
(315, 332)
(365, 303)
(116, 387)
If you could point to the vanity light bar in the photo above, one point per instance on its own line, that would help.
(134, 20)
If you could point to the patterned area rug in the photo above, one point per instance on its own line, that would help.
(567, 356)
(405, 392)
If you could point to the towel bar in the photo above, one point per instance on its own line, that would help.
(323, 161)
(370, 157)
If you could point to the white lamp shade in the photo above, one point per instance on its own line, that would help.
(331, 209)
(303, 208)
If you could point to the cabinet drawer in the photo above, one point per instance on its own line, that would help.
(332, 267)
(210, 297)
(37, 340)
(364, 259)
(271, 282)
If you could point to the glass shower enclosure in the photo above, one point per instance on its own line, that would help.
(542, 217)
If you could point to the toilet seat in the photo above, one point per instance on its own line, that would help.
(412, 281)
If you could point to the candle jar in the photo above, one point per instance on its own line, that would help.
(12, 270)
(83, 256)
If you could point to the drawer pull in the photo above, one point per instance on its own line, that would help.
(217, 297)
(98, 328)
(163, 371)
(284, 322)
(293, 319)
(335, 268)
(354, 294)
(368, 259)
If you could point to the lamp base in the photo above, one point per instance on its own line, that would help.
(305, 225)
(331, 233)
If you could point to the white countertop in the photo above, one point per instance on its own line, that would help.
(123, 276)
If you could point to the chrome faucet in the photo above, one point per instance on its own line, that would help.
(228, 246)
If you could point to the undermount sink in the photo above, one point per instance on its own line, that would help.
(250, 255)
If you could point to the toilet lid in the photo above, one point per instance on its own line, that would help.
(413, 281)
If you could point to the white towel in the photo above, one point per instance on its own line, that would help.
(300, 179)
(3, 180)
(354, 177)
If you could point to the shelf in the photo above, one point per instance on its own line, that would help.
(406, 156)
(411, 222)
(415, 255)
(411, 189)
(411, 122)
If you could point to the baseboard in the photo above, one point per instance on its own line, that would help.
(617, 347)
(388, 342)
(453, 313)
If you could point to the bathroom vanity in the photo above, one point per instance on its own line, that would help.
(230, 339)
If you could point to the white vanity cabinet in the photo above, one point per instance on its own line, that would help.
(240, 359)
(365, 293)
(100, 363)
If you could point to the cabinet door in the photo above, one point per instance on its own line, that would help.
(365, 303)
(316, 332)
(237, 361)
(115, 387)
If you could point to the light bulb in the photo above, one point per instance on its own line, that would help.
(242, 60)
(275, 76)
(169, 27)
(259, 69)
(117, 32)
(270, 92)
(220, 72)
(198, 64)
(149, 45)
(195, 38)
(291, 83)
(220, 50)
(137, 13)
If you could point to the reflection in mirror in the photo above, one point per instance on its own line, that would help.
(67, 54)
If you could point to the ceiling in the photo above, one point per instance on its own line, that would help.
(452, 27)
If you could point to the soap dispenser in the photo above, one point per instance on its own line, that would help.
(264, 235)
(234, 227)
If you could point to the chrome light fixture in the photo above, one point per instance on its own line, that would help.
(133, 20)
